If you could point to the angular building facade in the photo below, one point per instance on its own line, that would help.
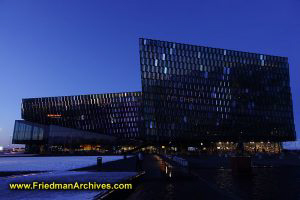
(195, 93)
(190, 95)
(112, 116)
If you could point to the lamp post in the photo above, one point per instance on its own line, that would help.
(240, 145)
(240, 163)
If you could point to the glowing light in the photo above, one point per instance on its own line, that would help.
(53, 115)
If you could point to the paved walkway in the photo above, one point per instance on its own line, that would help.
(163, 181)
(123, 165)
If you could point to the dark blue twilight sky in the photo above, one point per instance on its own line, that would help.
(69, 47)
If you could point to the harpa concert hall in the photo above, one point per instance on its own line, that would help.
(192, 96)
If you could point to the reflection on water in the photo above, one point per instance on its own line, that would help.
(170, 191)
(167, 172)
(264, 183)
(165, 167)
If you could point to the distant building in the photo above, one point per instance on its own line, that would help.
(78, 121)
(116, 114)
(209, 98)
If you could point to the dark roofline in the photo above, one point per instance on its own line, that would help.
(81, 95)
(216, 48)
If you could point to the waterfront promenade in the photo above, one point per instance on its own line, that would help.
(159, 183)
(272, 177)
(207, 177)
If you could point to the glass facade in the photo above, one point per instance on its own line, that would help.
(38, 137)
(189, 94)
(209, 94)
(117, 114)
(25, 132)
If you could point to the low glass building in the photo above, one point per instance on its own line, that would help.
(40, 138)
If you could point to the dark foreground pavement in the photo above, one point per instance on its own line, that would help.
(164, 181)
